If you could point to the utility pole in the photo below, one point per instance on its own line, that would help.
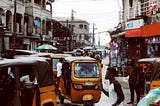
(93, 35)
(14, 27)
(2, 31)
(98, 39)
(18, 103)
(72, 30)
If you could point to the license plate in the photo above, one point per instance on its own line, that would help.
(88, 83)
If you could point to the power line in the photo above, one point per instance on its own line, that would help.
(79, 0)
(90, 16)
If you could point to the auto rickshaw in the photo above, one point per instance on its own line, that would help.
(150, 70)
(54, 59)
(80, 80)
(26, 82)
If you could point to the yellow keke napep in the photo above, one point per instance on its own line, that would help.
(80, 80)
(54, 58)
(26, 82)
(150, 70)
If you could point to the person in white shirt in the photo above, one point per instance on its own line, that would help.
(28, 79)
(59, 71)
(114, 92)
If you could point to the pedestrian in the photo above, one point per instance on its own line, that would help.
(59, 71)
(134, 78)
(115, 93)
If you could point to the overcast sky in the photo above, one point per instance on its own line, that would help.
(103, 13)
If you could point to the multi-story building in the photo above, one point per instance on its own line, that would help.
(27, 22)
(142, 19)
(80, 32)
(139, 30)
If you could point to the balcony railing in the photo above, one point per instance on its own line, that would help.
(141, 9)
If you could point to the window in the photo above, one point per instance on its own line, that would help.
(80, 26)
(80, 36)
(85, 27)
(130, 3)
(37, 2)
(86, 70)
(54, 63)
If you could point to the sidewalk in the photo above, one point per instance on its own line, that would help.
(125, 87)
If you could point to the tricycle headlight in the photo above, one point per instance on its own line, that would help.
(96, 87)
(78, 86)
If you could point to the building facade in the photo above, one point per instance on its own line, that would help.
(25, 23)
(138, 30)
(79, 28)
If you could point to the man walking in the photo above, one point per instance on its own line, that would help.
(134, 74)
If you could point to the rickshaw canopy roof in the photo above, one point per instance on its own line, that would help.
(149, 60)
(43, 69)
(52, 55)
(146, 60)
(79, 58)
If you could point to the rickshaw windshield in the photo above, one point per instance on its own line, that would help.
(54, 63)
(86, 70)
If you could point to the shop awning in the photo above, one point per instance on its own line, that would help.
(150, 30)
(133, 32)
(118, 34)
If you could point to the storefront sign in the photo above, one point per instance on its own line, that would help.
(134, 24)
(133, 32)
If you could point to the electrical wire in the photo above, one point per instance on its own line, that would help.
(78, 0)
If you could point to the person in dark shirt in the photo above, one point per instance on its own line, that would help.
(114, 92)
(134, 74)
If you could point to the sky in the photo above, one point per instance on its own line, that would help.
(103, 13)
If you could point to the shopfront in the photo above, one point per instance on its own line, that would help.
(136, 47)
(151, 34)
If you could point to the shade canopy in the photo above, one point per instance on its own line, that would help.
(46, 47)
(88, 48)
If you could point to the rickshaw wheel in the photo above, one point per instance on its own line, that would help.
(61, 99)
(88, 103)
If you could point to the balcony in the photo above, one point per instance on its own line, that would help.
(37, 11)
(141, 9)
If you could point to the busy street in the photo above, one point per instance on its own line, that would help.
(80, 52)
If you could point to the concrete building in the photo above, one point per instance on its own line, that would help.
(142, 21)
(80, 32)
(137, 35)
(32, 24)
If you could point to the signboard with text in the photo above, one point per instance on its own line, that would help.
(133, 24)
